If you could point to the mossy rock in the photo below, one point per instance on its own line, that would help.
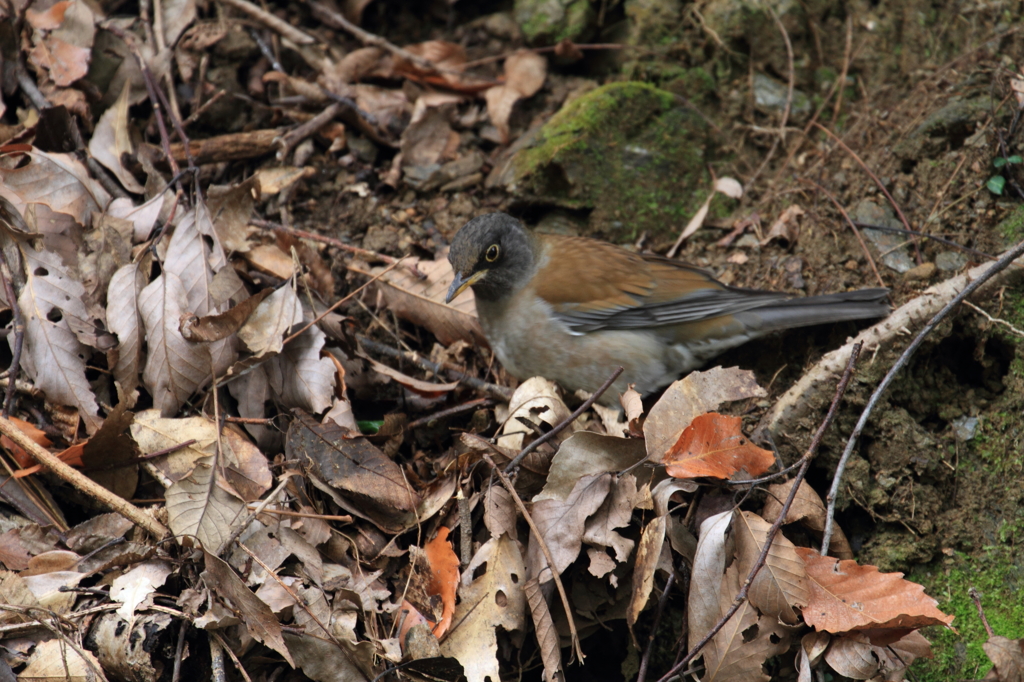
(629, 152)
(550, 21)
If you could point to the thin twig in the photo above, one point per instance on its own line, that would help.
(773, 531)
(564, 424)
(871, 174)
(83, 482)
(240, 528)
(503, 477)
(272, 22)
(179, 650)
(976, 598)
(293, 137)
(1000, 265)
(502, 393)
(847, 53)
(995, 320)
(450, 412)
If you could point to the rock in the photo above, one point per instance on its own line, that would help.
(632, 154)
(965, 427)
(770, 96)
(550, 21)
(889, 244)
(950, 261)
(944, 128)
(921, 273)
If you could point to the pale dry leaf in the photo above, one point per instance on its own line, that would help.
(271, 259)
(131, 589)
(561, 524)
(177, 16)
(257, 617)
(781, 583)
(851, 655)
(54, 358)
(55, 660)
(14, 591)
(230, 210)
(265, 330)
(110, 141)
(727, 186)
(739, 650)
(785, 227)
(175, 368)
(708, 568)
(222, 325)
(500, 512)
(585, 453)
(50, 587)
(647, 554)
(300, 377)
(341, 414)
(600, 563)
(845, 596)
(422, 301)
(199, 507)
(693, 395)
(427, 389)
(1007, 656)
(495, 599)
(65, 51)
(535, 400)
(143, 218)
(616, 512)
(59, 181)
(124, 320)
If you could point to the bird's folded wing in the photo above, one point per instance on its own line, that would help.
(594, 285)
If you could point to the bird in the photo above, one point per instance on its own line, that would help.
(573, 309)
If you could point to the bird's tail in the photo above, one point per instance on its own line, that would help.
(809, 310)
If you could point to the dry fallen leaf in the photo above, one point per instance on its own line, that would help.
(1007, 656)
(444, 568)
(781, 583)
(845, 596)
(525, 72)
(713, 445)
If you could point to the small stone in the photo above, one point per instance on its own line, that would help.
(748, 241)
(964, 428)
(950, 261)
(922, 272)
(851, 265)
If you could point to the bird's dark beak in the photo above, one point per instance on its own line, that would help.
(460, 284)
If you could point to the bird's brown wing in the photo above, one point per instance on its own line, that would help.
(596, 285)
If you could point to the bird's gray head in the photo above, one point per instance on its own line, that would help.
(492, 254)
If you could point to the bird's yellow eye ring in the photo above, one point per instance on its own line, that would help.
(492, 253)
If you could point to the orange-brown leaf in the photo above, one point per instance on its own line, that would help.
(713, 445)
(444, 576)
(20, 456)
(846, 596)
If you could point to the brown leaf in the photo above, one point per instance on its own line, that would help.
(561, 524)
(585, 453)
(54, 660)
(230, 210)
(59, 181)
(500, 513)
(300, 377)
(444, 568)
(110, 446)
(713, 445)
(785, 227)
(422, 301)
(808, 509)
(845, 596)
(256, 616)
(1007, 656)
(264, 331)
(39, 437)
(220, 326)
(493, 600)
(364, 480)
(544, 626)
(693, 395)
(781, 583)
(616, 512)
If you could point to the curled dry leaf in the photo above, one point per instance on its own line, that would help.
(111, 141)
(58, 181)
(444, 570)
(713, 445)
(548, 639)
(65, 49)
(536, 401)
(217, 327)
(422, 301)
(496, 599)
(781, 583)
(525, 72)
(300, 377)
(708, 568)
(785, 227)
(427, 389)
(647, 554)
(124, 320)
(561, 524)
(845, 596)
(808, 509)
(693, 395)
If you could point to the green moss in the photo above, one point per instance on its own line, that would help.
(632, 153)
(998, 574)
(1013, 227)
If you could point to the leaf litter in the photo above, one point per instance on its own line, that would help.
(341, 547)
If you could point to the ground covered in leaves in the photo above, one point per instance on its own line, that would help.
(244, 437)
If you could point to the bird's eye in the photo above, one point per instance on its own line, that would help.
(492, 253)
